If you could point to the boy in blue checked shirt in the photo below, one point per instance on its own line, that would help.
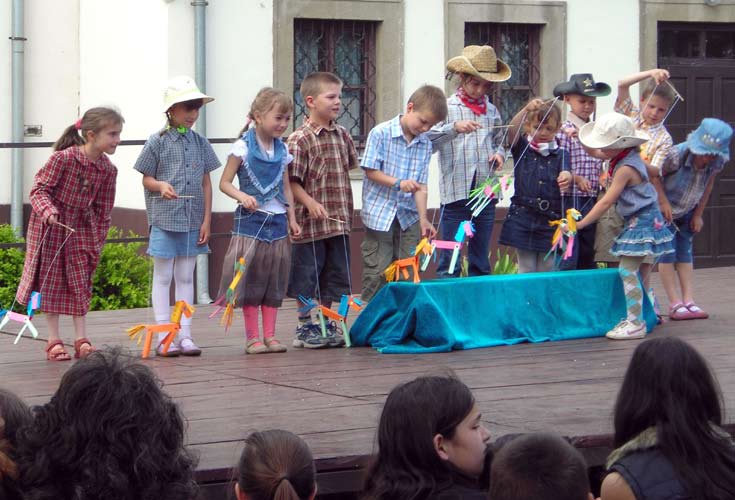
(689, 173)
(581, 93)
(394, 192)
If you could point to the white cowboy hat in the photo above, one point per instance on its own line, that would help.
(612, 131)
(181, 89)
(480, 61)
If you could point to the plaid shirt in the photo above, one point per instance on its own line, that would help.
(465, 157)
(683, 182)
(582, 163)
(653, 152)
(387, 150)
(180, 160)
(322, 160)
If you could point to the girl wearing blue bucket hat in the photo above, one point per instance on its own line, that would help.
(689, 173)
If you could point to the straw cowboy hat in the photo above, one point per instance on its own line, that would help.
(582, 84)
(181, 89)
(480, 61)
(612, 131)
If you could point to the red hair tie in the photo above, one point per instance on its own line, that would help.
(78, 124)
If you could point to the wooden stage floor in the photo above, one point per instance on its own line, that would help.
(333, 397)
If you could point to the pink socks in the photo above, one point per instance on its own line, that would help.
(251, 322)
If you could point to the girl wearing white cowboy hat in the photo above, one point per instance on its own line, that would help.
(616, 138)
(175, 163)
(470, 148)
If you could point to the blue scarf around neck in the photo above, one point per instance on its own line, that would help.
(266, 172)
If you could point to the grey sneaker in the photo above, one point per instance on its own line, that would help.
(334, 335)
(309, 336)
(627, 329)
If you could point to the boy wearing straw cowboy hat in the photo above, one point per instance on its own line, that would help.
(689, 174)
(469, 159)
(581, 93)
(644, 233)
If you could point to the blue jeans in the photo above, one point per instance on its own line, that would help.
(478, 247)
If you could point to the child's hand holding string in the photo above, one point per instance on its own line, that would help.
(466, 126)
(582, 183)
(564, 180)
(409, 186)
(496, 161)
(248, 202)
(534, 104)
(317, 210)
(294, 227)
(660, 75)
(167, 191)
(427, 228)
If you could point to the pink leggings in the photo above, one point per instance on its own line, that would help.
(251, 321)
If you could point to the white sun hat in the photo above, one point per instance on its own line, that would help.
(612, 131)
(181, 89)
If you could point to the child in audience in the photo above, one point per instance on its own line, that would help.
(431, 443)
(109, 431)
(541, 170)
(689, 172)
(275, 465)
(668, 435)
(394, 192)
(14, 414)
(540, 467)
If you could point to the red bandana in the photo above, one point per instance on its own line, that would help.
(616, 160)
(478, 106)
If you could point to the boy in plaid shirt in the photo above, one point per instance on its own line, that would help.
(323, 154)
(581, 93)
(394, 192)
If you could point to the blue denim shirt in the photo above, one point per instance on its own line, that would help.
(535, 185)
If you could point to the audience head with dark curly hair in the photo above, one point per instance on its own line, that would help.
(108, 432)
(275, 465)
(14, 414)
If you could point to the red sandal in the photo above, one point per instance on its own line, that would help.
(81, 352)
(56, 354)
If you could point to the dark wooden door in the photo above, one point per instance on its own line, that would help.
(701, 60)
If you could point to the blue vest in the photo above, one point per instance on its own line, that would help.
(651, 476)
(258, 179)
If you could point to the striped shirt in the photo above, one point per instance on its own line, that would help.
(464, 158)
(180, 160)
(387, 150)
(683, 182)
(582, 163)
(653, 152)
(322, 160)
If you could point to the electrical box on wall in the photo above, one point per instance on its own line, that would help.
(32, 130)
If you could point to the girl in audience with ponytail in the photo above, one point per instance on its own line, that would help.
(275, 465)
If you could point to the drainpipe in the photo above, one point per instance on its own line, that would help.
(16, 190)
(200, 75)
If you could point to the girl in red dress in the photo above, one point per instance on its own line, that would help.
(71, 200)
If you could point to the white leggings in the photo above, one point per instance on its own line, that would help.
(182, 270)
(533, 262)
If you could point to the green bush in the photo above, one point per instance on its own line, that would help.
(123, 276)
(505, 264)
(11, 267)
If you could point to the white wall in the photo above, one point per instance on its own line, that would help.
(603, 39)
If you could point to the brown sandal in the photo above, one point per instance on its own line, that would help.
(56, 354)
(81, 352)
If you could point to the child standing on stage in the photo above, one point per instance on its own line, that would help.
(175, 164)
(323, 154)
(468, 160)
(689, 174)
(262, 222)
(615, 137)
(581, 93)
(394, 192)
(541, 170)
(71, 200)
(655, 102)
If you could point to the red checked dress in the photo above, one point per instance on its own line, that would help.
(81, 194)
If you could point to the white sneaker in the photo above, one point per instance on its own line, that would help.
(627, 329)
(189, 348)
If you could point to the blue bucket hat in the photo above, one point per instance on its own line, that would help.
(712, 137)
